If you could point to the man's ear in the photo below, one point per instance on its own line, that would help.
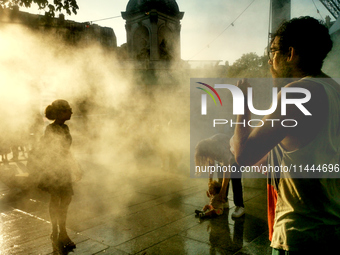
(291, 54)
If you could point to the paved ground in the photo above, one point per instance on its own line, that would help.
(151, 212)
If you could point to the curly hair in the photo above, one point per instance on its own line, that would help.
(310, 39)
(216, 186)
(213, 148)
(52, 110)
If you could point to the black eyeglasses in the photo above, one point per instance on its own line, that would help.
(271, 52)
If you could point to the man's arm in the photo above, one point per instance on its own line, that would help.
(262, 160)
(251, 145)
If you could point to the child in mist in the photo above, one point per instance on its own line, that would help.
(207, 151)
(56, 176)
(215, 206)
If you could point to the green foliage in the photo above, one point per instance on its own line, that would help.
(70, 6)
(250, 65)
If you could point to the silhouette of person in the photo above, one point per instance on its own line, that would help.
(35, 129)
(56, 178)
(4, 149)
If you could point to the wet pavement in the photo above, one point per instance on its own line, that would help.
(151, 212)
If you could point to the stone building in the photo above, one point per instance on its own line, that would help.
(153, 30)
(74, 33)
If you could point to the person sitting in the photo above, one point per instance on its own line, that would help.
(215, 206)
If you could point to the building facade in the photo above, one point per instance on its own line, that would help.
(73, 33)
(153, 30)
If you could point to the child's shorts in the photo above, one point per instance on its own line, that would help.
(218, 211)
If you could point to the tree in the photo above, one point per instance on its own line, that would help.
(250, 65)
(70, 6)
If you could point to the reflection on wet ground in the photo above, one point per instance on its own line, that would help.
(115, 213)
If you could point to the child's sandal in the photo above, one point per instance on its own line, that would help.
(198, 212)
(68, 244)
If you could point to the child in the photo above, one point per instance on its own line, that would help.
(57, 179)
(215, 207)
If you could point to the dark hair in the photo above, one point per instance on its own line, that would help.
(310, 39)
(216, 186)
(52, 110)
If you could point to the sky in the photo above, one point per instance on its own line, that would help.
(206, 32)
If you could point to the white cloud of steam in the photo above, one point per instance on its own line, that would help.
(128, 126)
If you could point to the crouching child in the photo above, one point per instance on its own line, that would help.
(215, 206)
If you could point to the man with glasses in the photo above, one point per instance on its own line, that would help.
(303, 205)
